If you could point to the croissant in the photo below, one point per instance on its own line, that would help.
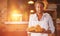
(38, 28)
(31, 29)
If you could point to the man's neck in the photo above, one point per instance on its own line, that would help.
(39, 13)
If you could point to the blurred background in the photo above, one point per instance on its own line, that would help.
(14, 16)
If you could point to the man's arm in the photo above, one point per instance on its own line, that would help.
(50, 24)
(51, 28)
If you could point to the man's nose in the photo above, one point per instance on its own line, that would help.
(39, 8)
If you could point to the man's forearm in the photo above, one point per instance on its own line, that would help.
(48, 31)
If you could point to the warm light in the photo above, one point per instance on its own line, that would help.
(45, 4)
(22, 22)
(15, 15)
(31, 11)
(31, 2)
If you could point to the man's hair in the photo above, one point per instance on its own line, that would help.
(39, 2)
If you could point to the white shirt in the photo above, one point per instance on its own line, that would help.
(45, 22)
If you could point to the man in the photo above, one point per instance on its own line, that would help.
(40, 23)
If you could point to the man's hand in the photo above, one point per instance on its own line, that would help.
(46, 31)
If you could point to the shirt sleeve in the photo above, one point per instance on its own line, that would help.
(30, 20)
(51, 25)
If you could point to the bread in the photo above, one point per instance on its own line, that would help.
(38, 28)
(31, 29)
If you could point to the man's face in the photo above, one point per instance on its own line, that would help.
(39, 7)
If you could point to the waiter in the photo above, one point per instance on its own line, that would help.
(40, 23)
